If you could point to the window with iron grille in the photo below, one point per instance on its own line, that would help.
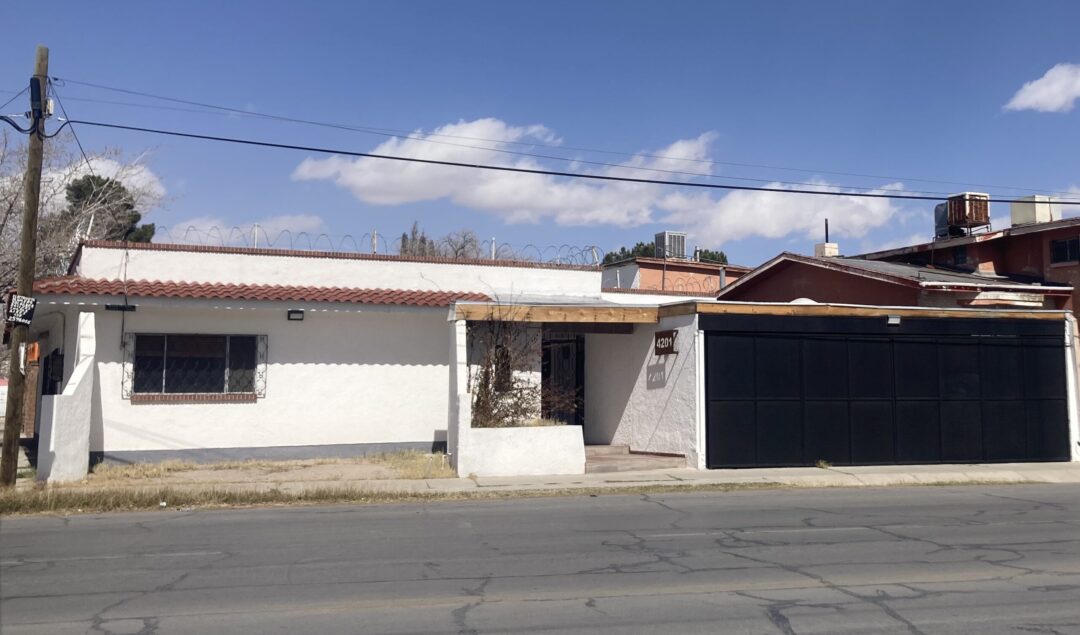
(165, 363)
(1067, 250)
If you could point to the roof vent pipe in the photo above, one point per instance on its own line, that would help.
(826, 249)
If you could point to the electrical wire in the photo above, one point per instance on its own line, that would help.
(232, 112)
(390, 132)
(512, 169)
(17, 95)
(63, 110)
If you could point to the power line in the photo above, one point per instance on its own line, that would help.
(224, 110)
(518, 170)
(397, 133)
(17, 95)
(63, 110)
(237, 112)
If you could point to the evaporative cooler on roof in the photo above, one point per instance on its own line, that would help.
(671, 245)
(961, 213)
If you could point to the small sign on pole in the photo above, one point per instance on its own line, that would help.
(20, 309)
(664, 342)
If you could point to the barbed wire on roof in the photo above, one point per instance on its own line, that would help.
(453, 247)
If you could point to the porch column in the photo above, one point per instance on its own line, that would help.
(1072, 387)
(460, 415)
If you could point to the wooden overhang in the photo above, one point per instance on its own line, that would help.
(607, 314)
(557, 313)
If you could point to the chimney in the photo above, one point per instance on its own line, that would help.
(1030, 210)
(826, 249)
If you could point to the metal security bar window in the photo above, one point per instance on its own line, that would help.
(194, 364)
(1067, 250)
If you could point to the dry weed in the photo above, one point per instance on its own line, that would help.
(413, 464)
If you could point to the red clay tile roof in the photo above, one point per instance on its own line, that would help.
(336, 255)
(73, 285)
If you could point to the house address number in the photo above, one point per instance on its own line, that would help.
(664, 342)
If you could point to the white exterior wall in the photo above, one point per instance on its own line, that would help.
(635, 398)
(497, 281)
(621, 277)
(343, 375)
(523, 451)
(649, 299)
(1072, 388)
(66, 419)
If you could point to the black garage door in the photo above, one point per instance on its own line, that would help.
(795, 390)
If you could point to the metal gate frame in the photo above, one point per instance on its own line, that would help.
(988, 336)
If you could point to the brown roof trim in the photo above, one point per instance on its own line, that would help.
(334, 255)
(693, 264)
(835, 265)
(777, 308)
(692, 294)
(71, 285)
(1018, 230)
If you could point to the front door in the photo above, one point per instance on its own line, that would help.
(563, 378)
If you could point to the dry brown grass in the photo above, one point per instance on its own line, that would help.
(42, 499)
(105, 472)
(416, 465)
(407, 464)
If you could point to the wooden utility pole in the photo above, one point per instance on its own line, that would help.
(27, 258)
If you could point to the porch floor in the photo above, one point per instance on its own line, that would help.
(618, 458)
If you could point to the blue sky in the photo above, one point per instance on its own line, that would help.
(902, 90)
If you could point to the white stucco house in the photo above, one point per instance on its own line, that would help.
(204, 353)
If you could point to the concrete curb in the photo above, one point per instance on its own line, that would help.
(885, 476)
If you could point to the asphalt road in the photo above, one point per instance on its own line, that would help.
(904, 560)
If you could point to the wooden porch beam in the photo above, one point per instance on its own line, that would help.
(557, 313)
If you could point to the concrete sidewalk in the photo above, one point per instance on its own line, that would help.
(862, 476)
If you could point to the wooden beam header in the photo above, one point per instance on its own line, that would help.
(608, 314)
(554, 313)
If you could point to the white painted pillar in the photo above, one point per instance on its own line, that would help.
(460, 416)
(1072, 390)
(64, 441)
(698, 458)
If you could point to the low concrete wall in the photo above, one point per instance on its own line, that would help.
(64, 443)
(523, 451)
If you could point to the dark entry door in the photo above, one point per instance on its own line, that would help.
(563, 378)
(788, 391)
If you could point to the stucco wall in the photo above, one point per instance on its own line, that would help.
(522, 451)
(621, 277)
(65, 420)
(635, 398)
(501, 281)
(340, 376)
(679, 278)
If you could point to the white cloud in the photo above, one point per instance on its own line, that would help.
(285, 231)
(515, 197)
(711, 218)
(143, 183)
(741, 214)
(1056, 91)
(893, 243)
